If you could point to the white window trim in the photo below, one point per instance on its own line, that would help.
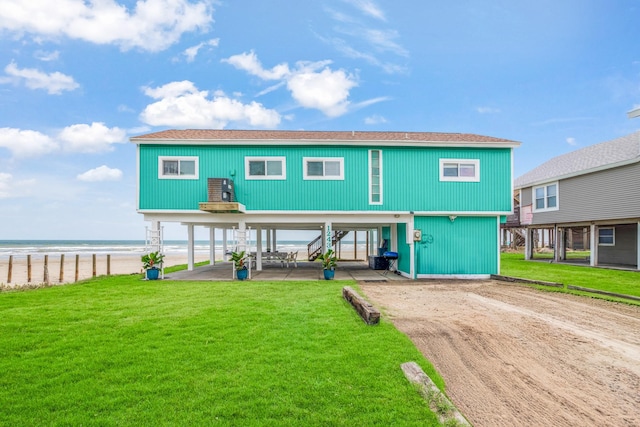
(265, 159)
(475, 162)
(371, 202)
(613, 235)
(178, 158)
(305, 160)
(546, 209)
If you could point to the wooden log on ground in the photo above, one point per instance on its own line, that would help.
(368, 312)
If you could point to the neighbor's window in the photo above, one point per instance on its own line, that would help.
(375, 177)
(323, 168)
(606, 236)
(265, 168)
(465, 170)
(546, 197)
(178, 167)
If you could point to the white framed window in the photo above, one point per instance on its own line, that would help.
(545, 197)
(324, 168)
(265, 168)
(174, 167)
(464, 170)
(606, 236)
(375, 177)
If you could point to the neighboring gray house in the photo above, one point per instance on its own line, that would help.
(592, 192)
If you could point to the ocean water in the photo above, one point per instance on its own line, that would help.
(116, 247)
(39, 248)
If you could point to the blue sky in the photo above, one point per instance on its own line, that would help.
(79, 78)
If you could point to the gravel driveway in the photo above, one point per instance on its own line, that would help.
(512, 355)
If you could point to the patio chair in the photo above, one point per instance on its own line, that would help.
(291, 257)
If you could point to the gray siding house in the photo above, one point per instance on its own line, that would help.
(592, 192)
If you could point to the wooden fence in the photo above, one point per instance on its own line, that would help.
(52, 272)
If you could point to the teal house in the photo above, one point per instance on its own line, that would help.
(436, 199)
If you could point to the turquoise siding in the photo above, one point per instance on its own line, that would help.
(468, 245)
(410, 179)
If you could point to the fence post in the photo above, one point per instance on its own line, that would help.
(28, 268)
(108, 264)
(94, 265)
(10, 268)
(61, 268)
(77, 266)
(46, 269)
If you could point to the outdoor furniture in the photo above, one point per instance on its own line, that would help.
(291, 257)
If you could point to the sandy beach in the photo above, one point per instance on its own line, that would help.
(120, 264)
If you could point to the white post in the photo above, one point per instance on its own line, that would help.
(274, 243)
(212, 246)
(593, 260)
(259, 248)
(327, 242)
(558, 245)
(190, 244)
(224, 244)
(268, 237)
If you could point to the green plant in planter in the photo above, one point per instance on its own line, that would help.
(239, 259)
(152, 263)
(329, 262)
(152, 260)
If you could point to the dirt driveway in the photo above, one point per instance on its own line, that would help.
(511, 355)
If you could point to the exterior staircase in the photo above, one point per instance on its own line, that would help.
(314, 248)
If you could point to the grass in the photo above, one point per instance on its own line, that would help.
(123, 351)
(618, 281)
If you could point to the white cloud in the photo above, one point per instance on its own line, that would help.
(93, 138)
(327, 90)
(54, 83)
(369, 8)
(13, 188)
(181, 104)
(312, 84)
(572, 141)
(249, 62)
(47, 56)
(27, 143)
(488, 110)
(191, 52)
(5, 185)
(375, 120)
(151, 25)
(101, 173)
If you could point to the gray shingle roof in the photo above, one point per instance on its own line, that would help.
(589, 159)
(338, 136)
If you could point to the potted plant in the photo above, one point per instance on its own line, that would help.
(152, 263)
(329, 263)
(239, 259)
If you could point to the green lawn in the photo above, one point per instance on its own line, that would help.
(122, 351)
(622, 282)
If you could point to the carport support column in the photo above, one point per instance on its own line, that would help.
(212, 246)
(259, 247)
(593, 260)
(190, 244)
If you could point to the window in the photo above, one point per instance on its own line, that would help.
(323, 168)
(178, 167)
(546, 197)
(465, 170)
(375, 177)
(265, 168)
(606, 236)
